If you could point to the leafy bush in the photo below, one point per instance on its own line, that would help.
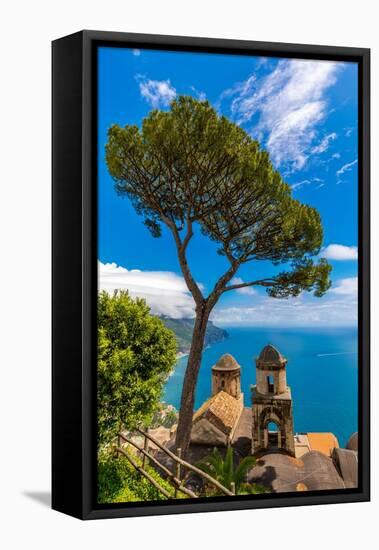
(165, 416)
(118, 481)
(136, 353)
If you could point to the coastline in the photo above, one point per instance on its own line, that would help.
(182, 354)
(318, 359)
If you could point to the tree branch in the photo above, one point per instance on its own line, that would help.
(259, 282)
(220, 285)
(181, 248)
(189, 234)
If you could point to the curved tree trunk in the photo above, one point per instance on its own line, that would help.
(183, 433)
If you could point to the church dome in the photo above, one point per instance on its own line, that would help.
(352, 444)
(270, 354)
(313, 472)
(226, 363)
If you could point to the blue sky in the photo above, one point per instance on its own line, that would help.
(303, 112)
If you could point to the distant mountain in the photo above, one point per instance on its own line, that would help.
(183, 329)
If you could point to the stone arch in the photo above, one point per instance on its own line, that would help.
(275, 416)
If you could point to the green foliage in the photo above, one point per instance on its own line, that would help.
(223, 470)
(305, 276)
(118, 481)
(188, 165)
(136, 353)
(165, 416)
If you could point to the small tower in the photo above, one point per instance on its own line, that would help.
(226, 376)
(272, 405)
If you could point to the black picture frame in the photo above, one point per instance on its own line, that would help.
(74, 272)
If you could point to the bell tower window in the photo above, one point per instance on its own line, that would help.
(270, 384)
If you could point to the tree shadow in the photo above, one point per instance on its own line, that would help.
(41, 497)
(263, 475)
(268, 477)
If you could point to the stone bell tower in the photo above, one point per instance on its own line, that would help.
(226, 376)
(272, 405)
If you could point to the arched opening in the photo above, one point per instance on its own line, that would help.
(273, 435)
(272, 427)
(270, 384)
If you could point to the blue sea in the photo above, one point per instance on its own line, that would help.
(322, 371)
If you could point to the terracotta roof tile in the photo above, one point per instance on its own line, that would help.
(222, 409)
(322, 442)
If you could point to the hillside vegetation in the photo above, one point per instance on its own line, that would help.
(183, 329)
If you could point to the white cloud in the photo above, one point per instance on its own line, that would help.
(336, 156)
(346, 287)
(324, 143)
(286, 106)
(300, 184)
(165, 292)
(337, 308)
(346, 167)
(201, 96)
(339, 252)
(248, 290)
(159, 93)
(136, 52)
(334, 310)
(303, 183)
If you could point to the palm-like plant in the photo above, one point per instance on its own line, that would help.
(224, 471)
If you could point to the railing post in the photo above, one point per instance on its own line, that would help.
(119, 439)
(145, 460)
(118, 445)
(233, 487)
(185, 464)
(177, 473)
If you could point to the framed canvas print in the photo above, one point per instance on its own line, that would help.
(210, 275)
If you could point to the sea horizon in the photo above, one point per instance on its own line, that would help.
(322, 372)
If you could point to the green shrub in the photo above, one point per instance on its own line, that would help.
(118, 481)
(165, 416)
(135, 354)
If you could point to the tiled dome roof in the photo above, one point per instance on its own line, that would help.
(352, 444)
(226, 362)
(269, 354)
